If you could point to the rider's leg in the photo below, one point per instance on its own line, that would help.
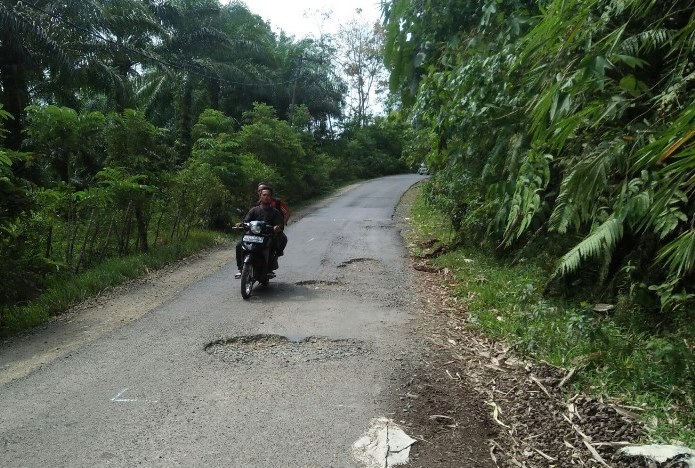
(239, 259)
(281, 244)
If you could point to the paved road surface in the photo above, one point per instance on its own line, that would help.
(207, 379)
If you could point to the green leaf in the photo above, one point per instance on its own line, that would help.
(630, 61)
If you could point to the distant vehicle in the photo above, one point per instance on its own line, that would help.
(423, 170)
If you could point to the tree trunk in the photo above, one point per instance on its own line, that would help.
(159, 224)
(186, 119)
(15, 96)
(104, 250)
(214, 91)
(80, 259)
(49, 241)
(141, 220)
(125, 232)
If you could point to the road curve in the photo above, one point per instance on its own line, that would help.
(290, 378)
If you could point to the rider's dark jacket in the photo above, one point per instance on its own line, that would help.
(270, 215)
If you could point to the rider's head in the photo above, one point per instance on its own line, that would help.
(263, 185)
(265, 196)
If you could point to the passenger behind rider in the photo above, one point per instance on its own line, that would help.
(264, 211)
(282, 207)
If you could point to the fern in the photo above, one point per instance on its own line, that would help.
(584, 185)
(533, 178)
(646, 41)
(602, 240)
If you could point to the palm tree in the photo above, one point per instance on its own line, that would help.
(27, 48)
(186, 48)
(308, 77)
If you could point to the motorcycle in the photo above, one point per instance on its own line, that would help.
(259, 261)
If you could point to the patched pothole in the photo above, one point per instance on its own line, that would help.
(290, 350)
(318, 283)
(362, 264)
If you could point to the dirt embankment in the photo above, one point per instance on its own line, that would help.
(470, 391)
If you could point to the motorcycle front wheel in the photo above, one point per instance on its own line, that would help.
(247, 280)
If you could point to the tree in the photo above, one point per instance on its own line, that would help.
(186, 49)
(361, 53)
(275, 143)
(307, 66)
(572, 121)
(27, 47)
(135, 150)
(68, 146)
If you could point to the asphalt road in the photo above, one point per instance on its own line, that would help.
(290, 378)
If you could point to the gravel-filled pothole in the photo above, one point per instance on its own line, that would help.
(316, 284)
(247, 348)
(362, 264)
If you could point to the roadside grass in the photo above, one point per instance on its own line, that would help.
(65, 291)
(612, 356)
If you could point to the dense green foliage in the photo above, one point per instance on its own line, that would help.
(126, 125)
(567, 124)
(609, 352)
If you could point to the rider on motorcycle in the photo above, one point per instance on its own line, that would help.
(264, 211)
(284, 210)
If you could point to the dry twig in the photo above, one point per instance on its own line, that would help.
(566, 378)
(545, 390)
(595, 454)
(495, 414)
(544, 455)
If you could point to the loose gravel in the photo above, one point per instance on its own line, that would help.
(250, 348)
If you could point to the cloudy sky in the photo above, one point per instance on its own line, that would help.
(302, 18)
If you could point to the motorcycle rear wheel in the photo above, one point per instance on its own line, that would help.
(247, 280)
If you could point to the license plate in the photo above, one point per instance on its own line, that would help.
(253, 239)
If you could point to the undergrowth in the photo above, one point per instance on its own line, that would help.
(613, 354)
(64, 291)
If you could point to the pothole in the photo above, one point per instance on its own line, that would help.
(318, 283)
(290, 350)
(362, 263)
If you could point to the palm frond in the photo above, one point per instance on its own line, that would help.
(585, 184)
(667, 139)
(19, 26)
(679, 254)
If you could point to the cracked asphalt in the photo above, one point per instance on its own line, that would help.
(144, 389)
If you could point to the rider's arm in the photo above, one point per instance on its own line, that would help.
(251, 215)
(279, 223)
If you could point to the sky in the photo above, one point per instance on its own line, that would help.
(301, 18)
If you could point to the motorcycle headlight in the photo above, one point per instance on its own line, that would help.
(255, 227)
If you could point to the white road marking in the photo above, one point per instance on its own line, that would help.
(118, 399)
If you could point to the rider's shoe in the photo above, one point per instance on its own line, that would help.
(237, 275)
(280, 253)
(271, 275)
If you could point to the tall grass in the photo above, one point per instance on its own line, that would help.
(613, 354)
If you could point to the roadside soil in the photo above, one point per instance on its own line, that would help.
(522, 410)
(468, 401)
